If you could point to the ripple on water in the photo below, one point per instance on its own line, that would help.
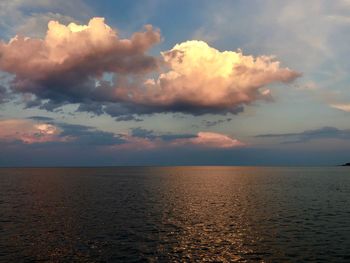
(155, 214)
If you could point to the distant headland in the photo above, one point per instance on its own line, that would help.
(346, 164)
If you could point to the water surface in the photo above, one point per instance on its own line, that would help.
(169, 214)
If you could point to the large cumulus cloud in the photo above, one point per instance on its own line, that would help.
(202, 78)
(69, 66)
(65, 66)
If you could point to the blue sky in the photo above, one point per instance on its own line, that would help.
(89, 103)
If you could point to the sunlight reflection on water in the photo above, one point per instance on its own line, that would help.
(175, 214)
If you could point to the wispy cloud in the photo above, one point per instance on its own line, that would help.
(308, 35)
(30, 17)
(305, 136)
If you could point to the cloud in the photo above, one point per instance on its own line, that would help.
(86, 136)
(41, 130)
(44, 130)
(35, 25)
(203, 79)
(41, 118)
(305, 136)
(311, 36)
(210, 140)
(215, 122)
(29, 132)
(142, 133)
(150, 139)
(3, 94)
(70, 64)
(341, 106)
(150, 134)
(26, 16)
(88, 146)
(64, 66)
(286, 28)
(128, 118)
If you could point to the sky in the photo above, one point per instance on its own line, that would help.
(159, 82)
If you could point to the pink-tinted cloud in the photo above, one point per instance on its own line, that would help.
(202, 139)
(68, 65)
(36, 130)
(203, 77)
(29, 132)
(341, 106)
(210, 140)
(69, 60)
(95, 48)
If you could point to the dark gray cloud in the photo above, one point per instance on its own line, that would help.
(305, 136)
(41, 118)
(150, 134)
(85, 135)
(128, 118)
(93, 107)
(3, 94)
(41, 131)
(142, 133)
(130, 109)
(216, 122)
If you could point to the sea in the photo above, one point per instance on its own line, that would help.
(175, 214)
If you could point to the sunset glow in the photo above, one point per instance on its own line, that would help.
(174, 131)
(223, 81)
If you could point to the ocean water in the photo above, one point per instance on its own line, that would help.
(175, 214)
